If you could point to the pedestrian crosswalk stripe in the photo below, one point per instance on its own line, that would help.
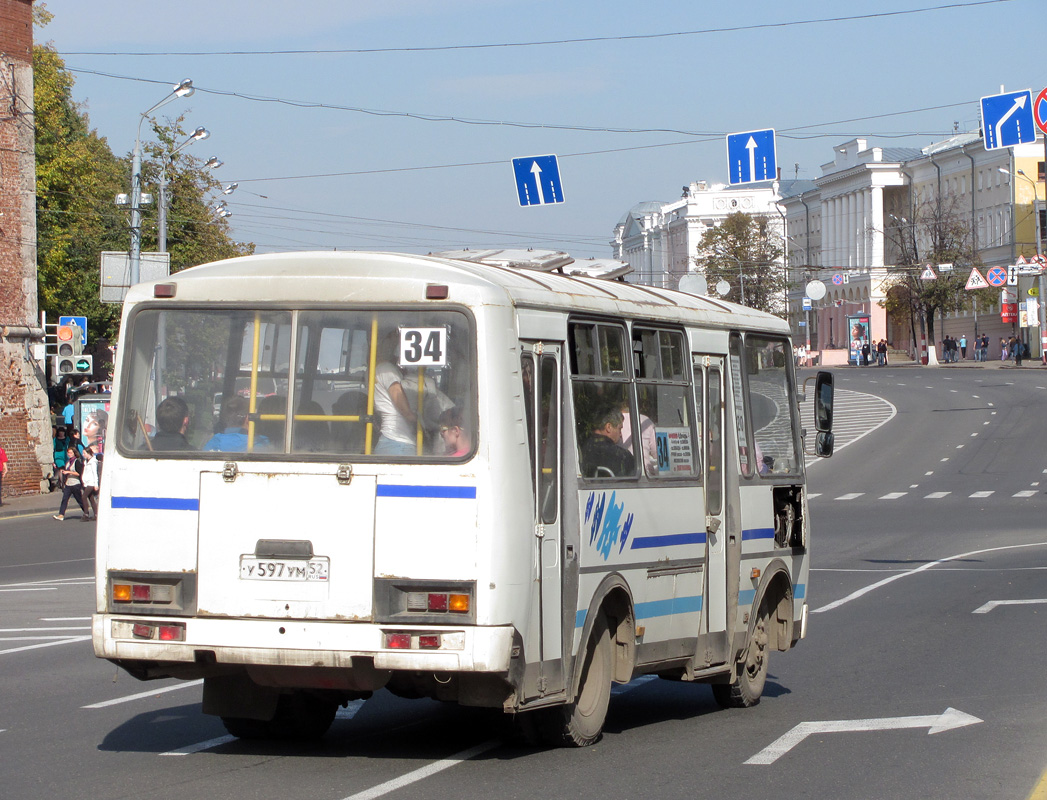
(850, 496)
(894, 495)
(936, 495)
(1026, 493)
(977, 495)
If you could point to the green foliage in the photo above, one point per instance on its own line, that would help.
(744, 252)
(77, 180)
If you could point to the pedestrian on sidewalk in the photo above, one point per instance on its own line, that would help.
(90, 479)
(3, 472)
(71, 483)
(963, 345)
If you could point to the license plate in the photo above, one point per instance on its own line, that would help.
(289, 569)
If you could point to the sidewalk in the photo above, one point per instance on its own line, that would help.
(33, 504)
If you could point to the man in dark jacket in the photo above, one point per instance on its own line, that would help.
(602, 457)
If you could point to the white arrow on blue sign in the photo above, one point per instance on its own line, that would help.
(538, 180)
(751, 156)
(1007, 120)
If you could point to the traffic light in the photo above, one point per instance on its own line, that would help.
(70, 340)
(71, 365)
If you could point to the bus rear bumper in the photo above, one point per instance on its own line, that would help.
(304, 643)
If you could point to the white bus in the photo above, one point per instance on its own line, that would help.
(482, 484)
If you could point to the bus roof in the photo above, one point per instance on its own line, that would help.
(378, 277)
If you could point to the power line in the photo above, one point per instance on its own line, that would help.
(551, 42)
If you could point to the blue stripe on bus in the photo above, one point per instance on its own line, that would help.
(800, 591)
(435, 492)
(746, 597)
(757, 533)
(668, 540)
(656, 608)
(157, 503)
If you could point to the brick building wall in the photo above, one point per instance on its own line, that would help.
(25, 424)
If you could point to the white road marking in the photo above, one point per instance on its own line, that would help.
(140, 695)
(850, 496)
(423, 772)
(41, 589)
(979, 495)
(65, 619)
(196, 748)
(69, 640)
(893, 495)
(1026, 493)
(813, 495)
(38, 630)
(937, 723)
(922, 568)
(936, 495)
(985, 609)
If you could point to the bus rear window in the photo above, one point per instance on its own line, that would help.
(389, 384)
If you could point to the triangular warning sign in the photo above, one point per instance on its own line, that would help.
(1021, 260)
(927, 274)
(976, 281)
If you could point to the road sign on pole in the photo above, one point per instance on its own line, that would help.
(538, 180)
(996, 276)
(976, 280)
(1007, 120)
(928, 274)
(751, 157)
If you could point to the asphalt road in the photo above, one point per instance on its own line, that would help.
(929, 606)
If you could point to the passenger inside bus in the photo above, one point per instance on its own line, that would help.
(456, 437)
(233, 436)
(648, 439)
(172, 420)
(601, 454)
(390, 401)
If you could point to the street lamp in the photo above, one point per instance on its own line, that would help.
(183, 89)
(1039, 252)
(161, 220)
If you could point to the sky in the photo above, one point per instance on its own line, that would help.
(392, 124)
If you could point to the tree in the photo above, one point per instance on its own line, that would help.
(743, 251)
(934, 233)
(78, 177)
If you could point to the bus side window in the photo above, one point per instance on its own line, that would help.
(745, 462)
(527, 373)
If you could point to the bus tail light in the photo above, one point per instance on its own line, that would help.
(414, 640)
(152, 593)
(162, 631)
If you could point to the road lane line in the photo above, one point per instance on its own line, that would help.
(423, 772)
(196, 748)
(922, 568)
(70, 640)
(893, 495)
(1026, 493)
(985, 609)
(140, 695)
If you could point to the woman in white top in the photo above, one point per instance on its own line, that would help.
(390, 401)
(90, 481)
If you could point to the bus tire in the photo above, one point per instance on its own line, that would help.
(750, 672)
(300, 716)
(581, 722)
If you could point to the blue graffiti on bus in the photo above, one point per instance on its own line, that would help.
(606, 527)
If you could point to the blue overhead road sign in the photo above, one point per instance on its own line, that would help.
(1007, 120)
(751, 157)
(538, 180)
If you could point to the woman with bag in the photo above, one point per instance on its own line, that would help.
(71, 474)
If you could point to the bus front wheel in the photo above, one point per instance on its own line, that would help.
(582, 721)
(750, 672)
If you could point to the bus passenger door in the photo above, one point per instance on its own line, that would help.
(709, 388)
(541, 379)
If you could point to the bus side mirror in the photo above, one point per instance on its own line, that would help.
(823, 444)
(823, 405)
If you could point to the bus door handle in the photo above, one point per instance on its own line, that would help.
(712, 525)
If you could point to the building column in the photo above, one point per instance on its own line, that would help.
(876, 221)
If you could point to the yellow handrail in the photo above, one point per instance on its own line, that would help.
(370, 384)
(254, 380)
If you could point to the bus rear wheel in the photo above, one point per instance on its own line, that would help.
(300, 716)
(750, 673)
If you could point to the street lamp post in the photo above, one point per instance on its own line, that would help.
(183, 89)
(1039, 252)
(161, 218)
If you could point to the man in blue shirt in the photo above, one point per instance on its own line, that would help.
(233, 436)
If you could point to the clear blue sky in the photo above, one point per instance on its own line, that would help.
(909, 78)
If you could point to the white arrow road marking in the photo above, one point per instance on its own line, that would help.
(937, 723)
(994, 603)
(536, 171)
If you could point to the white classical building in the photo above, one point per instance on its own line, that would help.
(660, 240)
(845, 232)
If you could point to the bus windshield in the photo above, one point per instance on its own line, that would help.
(281, 383)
